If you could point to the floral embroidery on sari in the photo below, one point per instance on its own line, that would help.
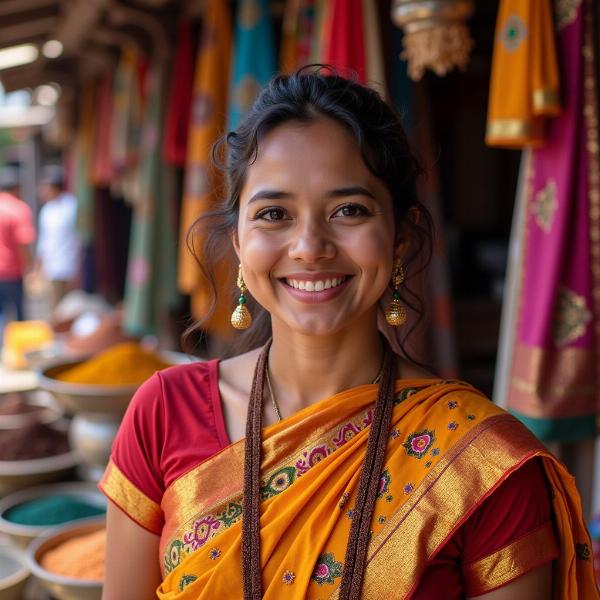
(384, 483)
(327, 569)
(418, 443)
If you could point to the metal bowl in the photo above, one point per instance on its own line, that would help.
(80, 397)
(49, 411)
(58, 586)
(90, 398)
(18, 474)
(24, 534)
(13, 573)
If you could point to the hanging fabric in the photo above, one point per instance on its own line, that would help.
(345, 39)
(101, 168)
(297, 32)
(551, 379)
(254, 57)
(150, 284)
(525, 82)
(180, 98)
(84, 144)
(202, 181)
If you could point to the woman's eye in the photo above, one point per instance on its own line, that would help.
(351, 210)
(271, 214)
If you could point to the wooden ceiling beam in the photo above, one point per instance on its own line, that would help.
(11, 7)
(80, 16)
(29, 30)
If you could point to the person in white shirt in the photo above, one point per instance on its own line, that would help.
(59, 243)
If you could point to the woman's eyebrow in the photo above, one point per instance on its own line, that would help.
(353, 190)
(269, 195)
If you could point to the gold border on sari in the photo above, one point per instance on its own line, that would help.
(552, 383)
(517, 558)
(514, 132)
(546, 101)
(443, 501)
(130, 499)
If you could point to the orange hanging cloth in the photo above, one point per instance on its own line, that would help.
(202, 180)
(525, 79)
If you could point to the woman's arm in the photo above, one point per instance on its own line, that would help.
(131, 564)
(535, 585)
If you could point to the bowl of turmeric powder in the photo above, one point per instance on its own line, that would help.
(103, 383)
(68, 561)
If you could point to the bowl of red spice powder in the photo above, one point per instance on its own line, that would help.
(68, 561)
(33, 454)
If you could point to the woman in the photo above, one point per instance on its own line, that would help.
(356, 471)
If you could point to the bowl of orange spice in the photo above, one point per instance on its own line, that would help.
(104, 383)
(68, 561)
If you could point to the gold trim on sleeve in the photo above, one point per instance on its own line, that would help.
(514, 560)
(130, 499)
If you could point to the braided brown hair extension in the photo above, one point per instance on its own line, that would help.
(356, 551)
(368, 485)
(251, 500)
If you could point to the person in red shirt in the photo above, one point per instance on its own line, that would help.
(17, 232)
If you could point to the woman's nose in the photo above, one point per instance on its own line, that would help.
(311, 243)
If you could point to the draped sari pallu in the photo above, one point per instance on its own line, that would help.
(447, 451)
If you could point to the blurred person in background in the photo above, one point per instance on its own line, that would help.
(59, 245)
(17, 232)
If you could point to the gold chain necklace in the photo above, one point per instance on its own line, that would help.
(274, 400)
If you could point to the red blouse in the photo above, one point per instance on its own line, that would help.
(175, 421)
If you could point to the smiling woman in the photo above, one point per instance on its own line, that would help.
(316, 462)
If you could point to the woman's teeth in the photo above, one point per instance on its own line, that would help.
(315, 286)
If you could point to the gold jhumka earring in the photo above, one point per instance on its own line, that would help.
(241, 318)
(396, 313)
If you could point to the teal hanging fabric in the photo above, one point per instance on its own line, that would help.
(254, 60)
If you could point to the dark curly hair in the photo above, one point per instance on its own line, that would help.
(309, 94)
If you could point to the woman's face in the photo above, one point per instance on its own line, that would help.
(316, 229)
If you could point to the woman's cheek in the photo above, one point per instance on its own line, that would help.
(259, 255)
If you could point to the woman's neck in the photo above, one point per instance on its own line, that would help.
(306, 369)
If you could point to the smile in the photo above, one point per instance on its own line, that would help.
(316, 286)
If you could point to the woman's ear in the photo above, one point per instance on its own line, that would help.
(404, 233)
(235, 242)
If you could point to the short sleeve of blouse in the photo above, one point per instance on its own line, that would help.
(133, 479)
(510, 534)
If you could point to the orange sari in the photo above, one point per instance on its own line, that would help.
(448, 450)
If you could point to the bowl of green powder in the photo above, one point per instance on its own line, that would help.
(27, 514)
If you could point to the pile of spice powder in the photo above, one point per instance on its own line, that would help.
(52, 510)
(34, 440)
(124, 364)
(81, 557)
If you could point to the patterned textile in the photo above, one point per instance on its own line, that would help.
(254, 57)
(550, 379)
(525, 83)
(150, 284)
(296, 39)
(448, 450)
(202, 182)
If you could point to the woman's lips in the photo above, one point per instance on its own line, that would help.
(314, 283)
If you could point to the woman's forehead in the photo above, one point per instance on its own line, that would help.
(321, 150)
